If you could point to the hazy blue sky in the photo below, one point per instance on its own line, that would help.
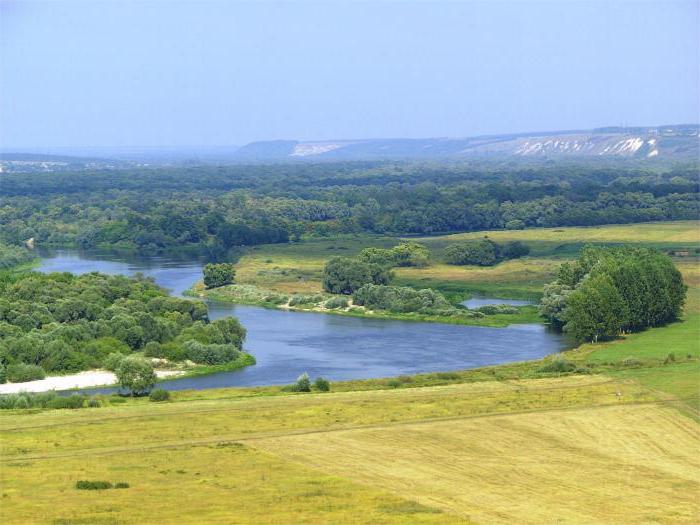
(104, 73)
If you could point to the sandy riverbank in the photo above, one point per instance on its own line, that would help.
(86, 379)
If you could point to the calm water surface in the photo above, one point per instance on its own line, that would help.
(477, 302)
(286, 344)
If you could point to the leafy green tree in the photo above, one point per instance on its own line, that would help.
(343, 275)
(554, 301)
(410, 254)
(136, 375)
(221, 274)
(596, 310)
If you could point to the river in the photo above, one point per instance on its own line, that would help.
(286, 344)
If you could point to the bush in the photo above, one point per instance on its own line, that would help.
(70, 402)
(3, 374)
(153, 349)
(158, 395)
(401, 299)
(558, 366)
(214, 354)
(670, 358)
(302, 384)
(514, 250)
(113, 360)
(493, 309)
(631, 361)
(21, 373)
(21, 402)
(322, 385)
(216, 275)
(84, 484)
(93, 402)
(515, 224)
(297, 300)
(121, 485)
(336, 302)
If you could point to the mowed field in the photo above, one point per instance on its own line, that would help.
(579, 449)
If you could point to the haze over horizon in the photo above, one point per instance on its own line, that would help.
(216, 73)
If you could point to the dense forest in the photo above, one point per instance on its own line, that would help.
(219, 208)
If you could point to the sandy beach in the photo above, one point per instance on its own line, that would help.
(80, 380)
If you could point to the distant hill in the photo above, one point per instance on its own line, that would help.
(673, 141)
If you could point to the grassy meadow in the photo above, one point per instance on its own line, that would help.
(297, 267)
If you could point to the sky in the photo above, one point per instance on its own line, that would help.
(213, 73)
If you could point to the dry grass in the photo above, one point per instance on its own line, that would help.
(626, 464)
(213, 484)
(569, 448)
(643, 233)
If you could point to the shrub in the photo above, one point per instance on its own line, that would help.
(304, 299)
(93, 402)
(214, 354)
(21, 402)
(558, 366)
(7, 401)
(3, 374)
(84, 484)
(400, 299)
(631, 361)
(153, 349)
(216, 275)
(121, 485)
(515, 224)
(158, 395)
(670, 358)
(21, 373)
(113, 360)
(302, 384)
(72, 402)
(514, 250)
(394, 383)
(322, 385)
(336, 302)
(493, 309)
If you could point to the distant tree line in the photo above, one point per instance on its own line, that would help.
(610, 291)
(220, 208)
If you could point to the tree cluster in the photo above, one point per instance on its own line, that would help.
(610, 291)
(484, 252)
(403, 254)
(65, 323)
(401, 299)
(344, 275)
